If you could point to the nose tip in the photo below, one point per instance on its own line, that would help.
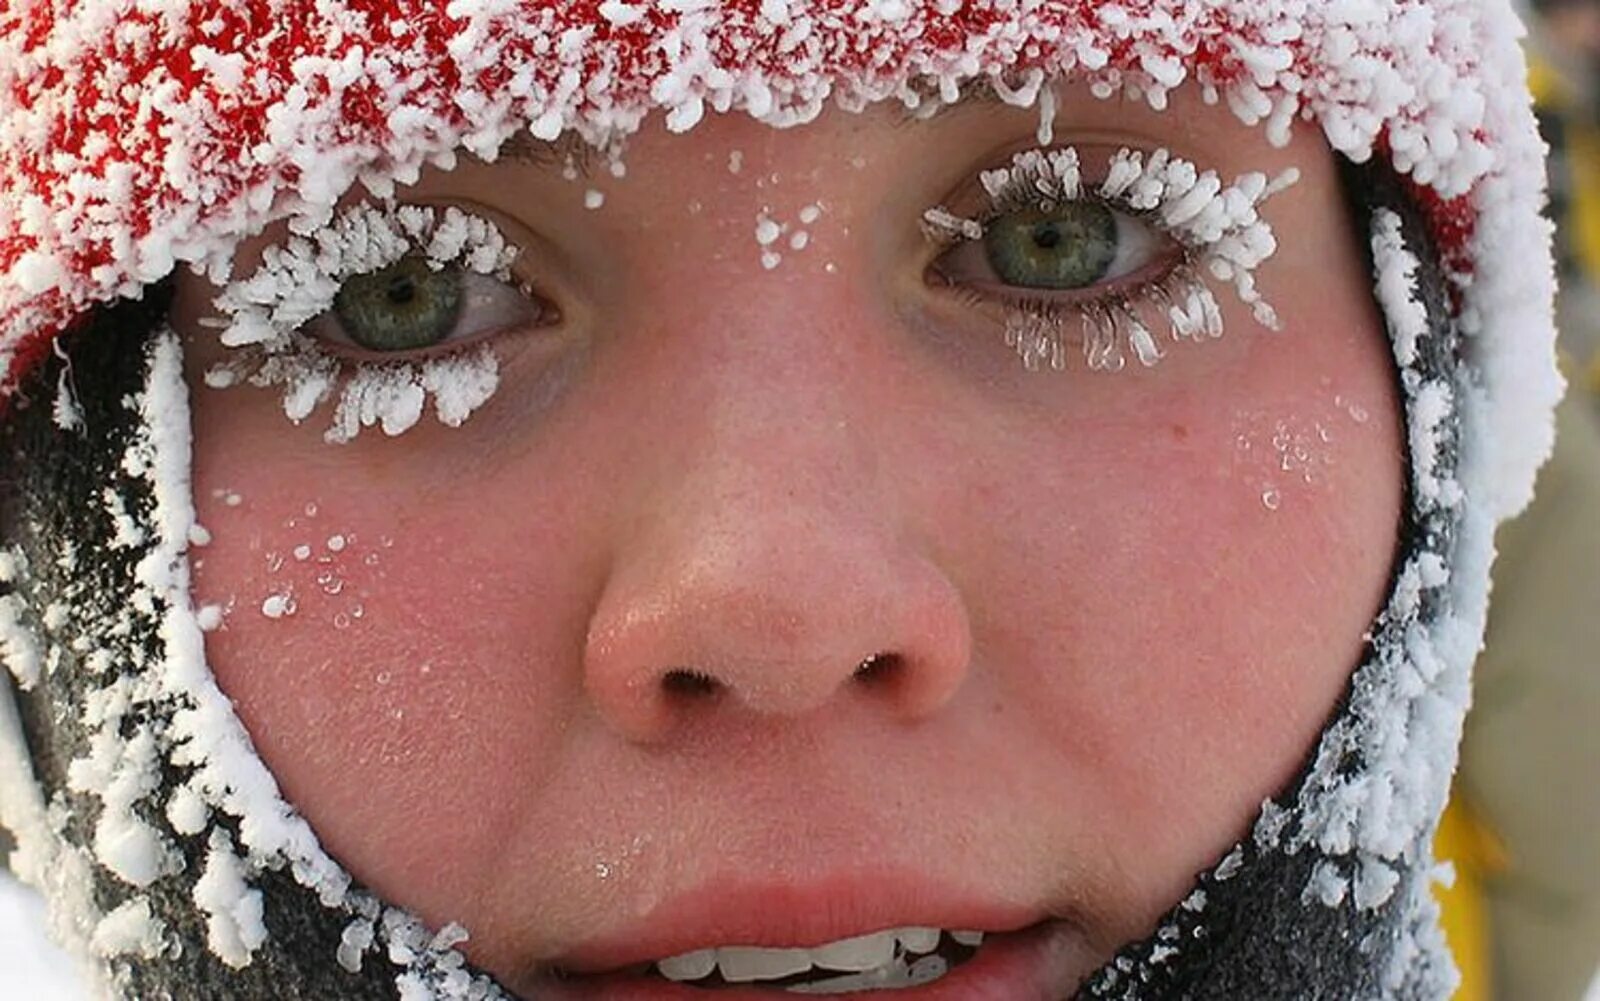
(653, 672)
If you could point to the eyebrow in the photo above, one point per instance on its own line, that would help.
(975, 93)
(524, 148)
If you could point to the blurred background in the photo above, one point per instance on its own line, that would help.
(1523, 830)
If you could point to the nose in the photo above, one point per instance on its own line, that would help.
(766, 587)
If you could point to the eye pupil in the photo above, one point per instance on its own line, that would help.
(1046, 236)
(402, 290)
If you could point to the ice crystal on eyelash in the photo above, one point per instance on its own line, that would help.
(1035, 177)
(298, 282)
(941, 223)
(1218, 225)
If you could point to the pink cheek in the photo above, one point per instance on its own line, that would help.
(365, 693)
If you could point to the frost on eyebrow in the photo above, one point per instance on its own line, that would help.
(298, 281)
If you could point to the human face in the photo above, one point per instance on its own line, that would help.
(773, 603)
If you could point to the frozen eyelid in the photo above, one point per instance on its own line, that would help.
(1217, 224)
(298, 282)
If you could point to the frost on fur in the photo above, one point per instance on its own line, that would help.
(149, 709)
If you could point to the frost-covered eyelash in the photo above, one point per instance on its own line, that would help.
(261, 317)
(1218, 227)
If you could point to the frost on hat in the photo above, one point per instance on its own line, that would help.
(137, 136)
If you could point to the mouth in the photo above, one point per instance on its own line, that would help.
(891, 959)
(916, 963)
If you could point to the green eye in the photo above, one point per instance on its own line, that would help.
(406, 306)
(1065, 247)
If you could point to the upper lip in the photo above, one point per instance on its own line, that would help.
(793, 913)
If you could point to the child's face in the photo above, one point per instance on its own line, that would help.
(1114, 610)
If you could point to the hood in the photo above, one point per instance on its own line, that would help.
(135, 138)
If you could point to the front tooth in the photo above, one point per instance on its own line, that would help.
(689, 966)
(741, 963)
(969, 938)
(918, 940)
(864, 952)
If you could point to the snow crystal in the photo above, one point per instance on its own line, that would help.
(11, 564)
(65, 412)
(209, 617)
(1327, 884)
(1375, 884)
(354, 942)
(19, 647)
(187, 811)
(767, 230)
(56, 615)
(128, 533)
(235, 928)
(131, 928)
(276, 606)
(1397, 268)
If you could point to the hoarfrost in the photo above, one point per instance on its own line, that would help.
(298, 282)
(167, 713)
(131, 928)
(235, 928)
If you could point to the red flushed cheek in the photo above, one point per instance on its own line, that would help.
(388, 668)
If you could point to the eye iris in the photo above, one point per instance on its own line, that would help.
(1066, 247)
(403, 307)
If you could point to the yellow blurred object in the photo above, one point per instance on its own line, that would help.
(1554, 93)
(1583, 160)
(1548, 87)
(1475, 852)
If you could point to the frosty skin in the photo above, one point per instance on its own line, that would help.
(1123, 606)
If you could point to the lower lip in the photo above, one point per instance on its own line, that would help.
(1029, 965)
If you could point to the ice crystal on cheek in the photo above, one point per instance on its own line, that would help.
(297, 282)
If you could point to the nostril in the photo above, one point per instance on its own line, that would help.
(687, 683)
(878, 668)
